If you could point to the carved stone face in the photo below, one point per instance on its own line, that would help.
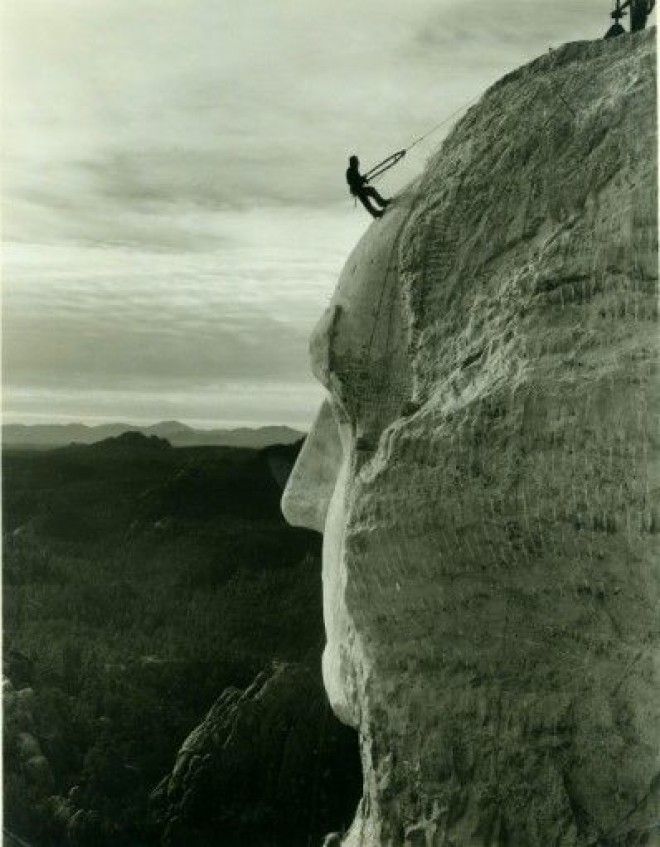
(483, 473)
(359, 353)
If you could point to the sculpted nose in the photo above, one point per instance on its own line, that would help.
(312, 480)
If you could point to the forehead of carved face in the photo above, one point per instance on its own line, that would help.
(359, 349)
(359, 352)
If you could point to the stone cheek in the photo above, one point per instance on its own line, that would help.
(500, 556)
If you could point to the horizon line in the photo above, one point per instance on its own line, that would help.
(204, 426)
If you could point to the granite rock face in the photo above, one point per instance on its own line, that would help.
(485, 470)
(268, 765)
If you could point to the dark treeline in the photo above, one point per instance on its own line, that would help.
(139, 582)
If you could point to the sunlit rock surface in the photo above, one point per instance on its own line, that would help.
(491, 528)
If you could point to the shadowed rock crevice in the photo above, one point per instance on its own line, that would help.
(268, 765)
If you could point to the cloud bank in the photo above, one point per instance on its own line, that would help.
(174, 208)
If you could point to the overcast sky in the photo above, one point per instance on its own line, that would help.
(175, 212)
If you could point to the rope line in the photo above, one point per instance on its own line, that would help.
(379, 169)
(444, 121)
(388, 271)
(396, 157)
(394, 251)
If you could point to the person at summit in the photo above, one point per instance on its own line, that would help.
(359, 188)
(639, 13)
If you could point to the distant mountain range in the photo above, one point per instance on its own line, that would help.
(45, 436)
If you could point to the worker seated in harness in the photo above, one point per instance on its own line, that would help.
(359, 188)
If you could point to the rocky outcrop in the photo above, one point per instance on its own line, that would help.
(268, 765)
(22, 751)
(485, 471)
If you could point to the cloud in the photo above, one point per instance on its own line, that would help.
(84, 324)
(254, 403)
(174, 198)
(241, 105)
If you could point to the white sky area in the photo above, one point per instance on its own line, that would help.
(175, 211)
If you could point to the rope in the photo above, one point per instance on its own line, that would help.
(395, 158)
(389, 283)
(395, 245)
(443, 122)
(397, 238)
(385, 165)
(388, 270)
(394, 251)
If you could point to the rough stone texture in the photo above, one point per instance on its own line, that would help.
(490, 544)
(269, 765)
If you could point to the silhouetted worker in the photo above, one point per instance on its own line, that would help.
(639, 12)
(359, 188)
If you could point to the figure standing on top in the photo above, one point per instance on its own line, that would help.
(359, 188)
(639, 12)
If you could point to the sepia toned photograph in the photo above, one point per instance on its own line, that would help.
(330, 423)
